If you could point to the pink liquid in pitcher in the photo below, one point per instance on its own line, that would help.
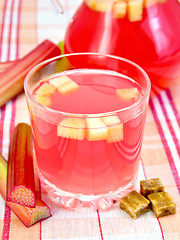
(90, 166)
(152, 42)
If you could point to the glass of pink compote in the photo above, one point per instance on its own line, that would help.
(87, 114)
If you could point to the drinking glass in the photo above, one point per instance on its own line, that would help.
(88, 142)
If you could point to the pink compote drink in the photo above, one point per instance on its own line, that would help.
(146, 32)
(93, 147)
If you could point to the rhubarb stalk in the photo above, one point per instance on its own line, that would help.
(12, 78)
(6, 65)
(20, 175)
(29, 216)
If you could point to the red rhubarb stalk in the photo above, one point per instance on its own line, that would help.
(6, 65)
(12, 79)
(20, 175)
(29, 216)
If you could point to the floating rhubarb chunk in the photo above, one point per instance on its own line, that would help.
(58, 82)
(90, 3)
(96, 129)
(111, 120)
(64, 84)
(127, 94)
(149, 186)
(73, 128)
(135, 10)
(28, 216)
(115, 134)
(44, 100)
(45, 89)
(20, 175)
(162, 204)
(120, 9)
(134, 204)
(68, 88)
(115, 128)
(12, 79)
(148, 3)
(102, 6)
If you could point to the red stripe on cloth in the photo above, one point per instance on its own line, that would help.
(2, 29)
(100, 227)
(18, 29)
(3, 110)
(166, 147)
(7, 213)
(10, 31)
(160, 226)
(176, 114)
(6, 226)
(171, 129)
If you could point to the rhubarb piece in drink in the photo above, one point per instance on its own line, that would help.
(162, 204)
(43, 100)
(127, 94)
(151, 186)
(45, 90)
(96, 129)
(28, 216)
(20, 175)
(134, 204)
(115, 128)
(64, 84)
(73, 128)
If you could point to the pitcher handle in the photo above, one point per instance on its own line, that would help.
(57, 6)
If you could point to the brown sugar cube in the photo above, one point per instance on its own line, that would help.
(151, 186)
(134, 204)
(162, 204)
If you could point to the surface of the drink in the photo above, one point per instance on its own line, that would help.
(96, 92)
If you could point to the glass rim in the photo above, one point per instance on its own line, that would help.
(54, 111)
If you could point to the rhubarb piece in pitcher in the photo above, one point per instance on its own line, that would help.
(28, 216)
(135, 10)
(120, 9)
(20, 175)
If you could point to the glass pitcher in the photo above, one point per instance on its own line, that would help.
(146, 32)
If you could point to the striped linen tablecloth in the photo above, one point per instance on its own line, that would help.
(24, 24)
